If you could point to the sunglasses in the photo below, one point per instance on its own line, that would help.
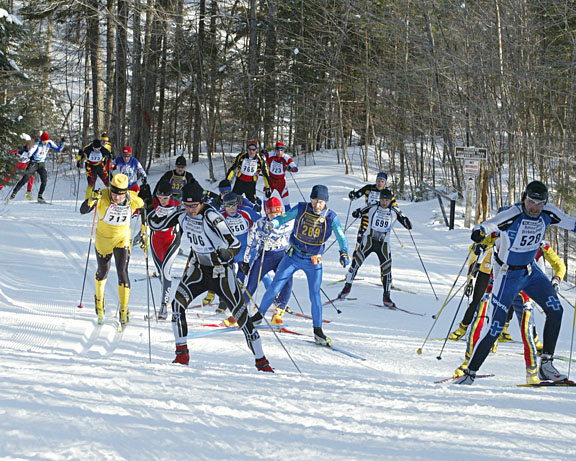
(536, 202)
(251, 148)
(191, 205)
(159, 195)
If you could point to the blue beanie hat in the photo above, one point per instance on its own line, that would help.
(382, 175)
(319, 192)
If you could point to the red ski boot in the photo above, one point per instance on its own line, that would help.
(182, 355)
(263, 365)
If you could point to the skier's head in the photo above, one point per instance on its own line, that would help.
(118, 187)
(534, 198)
(104, 136)
(96, 144)
(319, 197)
(224, 187)
(180, 164)
(44, 137)
(280, 148)
(164, 192)
(193, 198)
(230, 201)
(274, 207)
(126, 152)
(381, 180)
(252, 147)
(385, 197)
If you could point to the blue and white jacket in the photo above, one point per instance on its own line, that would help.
(520, 235)
(39, 151)
(133, 169)
(277, 240)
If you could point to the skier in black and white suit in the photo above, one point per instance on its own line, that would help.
(380, 218)
(213, 247)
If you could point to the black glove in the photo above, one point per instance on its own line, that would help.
(469, 287)
(356, 213)
(245, 268)
(225, 255)
(556, 282)
(267, 192)
(79, 164)
(405, 222)
(62, 139)
(144, 181)
(257, 208)
(478, 235)
(352, 195)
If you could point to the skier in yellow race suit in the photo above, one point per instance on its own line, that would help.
(115, 206)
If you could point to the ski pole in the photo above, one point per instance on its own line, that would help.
(77, 191)
(435, 317)
(296, 184)
(80, 306)
(572, 340)
(331, 302)
(56, 178)
(439, 357)
(345, 230)
(297, 302)
(348, 214)
(424, 267)
(398, 238)
(149, 288)
(268, 323)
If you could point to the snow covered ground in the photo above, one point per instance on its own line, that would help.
(73, 390)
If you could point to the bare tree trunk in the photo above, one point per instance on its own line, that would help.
(93, 43)
(118, 125)
(270, 97)
(109, 62)
(251, 103)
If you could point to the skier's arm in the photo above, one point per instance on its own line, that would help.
(157, 223)
(559, 218)
(339, 233)
(402, 219)
(223, 254)
(284, 218)
(233, 167)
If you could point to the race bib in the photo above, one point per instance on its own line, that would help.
(373, 197)
(195, 233)
(238, 224)
(95, 157)
(117, 215)
(381, 220)
(311, 229)
(529, 236)
(162, 211)
(178, 182)
(276, 168)
(249, 167)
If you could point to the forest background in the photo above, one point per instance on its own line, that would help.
(407, 80)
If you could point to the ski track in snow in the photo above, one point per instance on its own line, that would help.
(71, 389)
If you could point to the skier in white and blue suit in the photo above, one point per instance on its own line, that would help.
(313, 225)
(521, 230)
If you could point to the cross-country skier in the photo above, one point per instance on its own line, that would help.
(97, 160)
(132, 168)
(247, 166)
(115, 206)
(278, 163)
(213, 247)
(264, 251)
(22, 164)
(313, 225)
(178, 178)
(37, 164)
(165, 243)
(521, 229)
(381, 218)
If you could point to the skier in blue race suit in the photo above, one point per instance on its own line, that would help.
(521, 230)
(313, 225)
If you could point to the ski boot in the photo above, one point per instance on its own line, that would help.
(29, 196)
(40, 199)
(505, 336)
(345, 291)
(263, 365)
(182, 355)
(208, 298)
(467, 378)
(221, 309)
(277, 317)
(461, 369)
(99, 307)
(458, 333)
(547, 370)
(124, 317)
(320, 338)
(532, 375)
(163, 312)
(387, 301)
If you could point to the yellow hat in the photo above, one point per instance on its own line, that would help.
(119, 184)
(104, 136)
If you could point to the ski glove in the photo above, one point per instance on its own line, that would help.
(96, 195)
(294, 169)
(245, 268)
(143, 240)
(405, 222)
(62, 139)
(556, 282)
(344, 259)
(267, 192)
(225, 255)
(469, 287)
(356, 213)
(478, 249)
(352, 195)
(478, 235)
